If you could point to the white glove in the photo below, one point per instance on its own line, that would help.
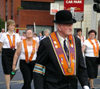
(86, 87)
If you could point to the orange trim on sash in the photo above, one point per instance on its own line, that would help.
(95, 49)
(70, 39)
(68, 67)
(26, 51)
(12, 45)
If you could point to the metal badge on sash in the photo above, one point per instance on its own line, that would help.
(27, 61)
(69, 69)
(13, 48)
(12, 44)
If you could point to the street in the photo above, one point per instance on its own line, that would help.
(17, 81)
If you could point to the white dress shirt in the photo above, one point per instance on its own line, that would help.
(61, 39)
(5, 41)
(89, 48)
(29, 48)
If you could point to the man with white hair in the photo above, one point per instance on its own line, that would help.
(46, 33)
(59, 63)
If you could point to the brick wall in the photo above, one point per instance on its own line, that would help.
(28, 17)
(2, 9)
(25, 17)
(9, 9)
(16, 5)
(40, 0)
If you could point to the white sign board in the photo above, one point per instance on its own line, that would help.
(54, 8)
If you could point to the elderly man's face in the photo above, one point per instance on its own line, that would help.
(65, 29)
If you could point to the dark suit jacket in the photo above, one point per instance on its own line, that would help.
(54, 78)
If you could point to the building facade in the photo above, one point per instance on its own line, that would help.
(91, 19)
(27, 12)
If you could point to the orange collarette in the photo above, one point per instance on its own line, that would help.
(68, 67)
(26, 51)
(12, 45)
(95, 49)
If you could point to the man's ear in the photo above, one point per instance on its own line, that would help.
(59, 27)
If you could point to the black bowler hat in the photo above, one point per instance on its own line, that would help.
(64, 17)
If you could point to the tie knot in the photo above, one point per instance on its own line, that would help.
(64, 41)
(66, 49)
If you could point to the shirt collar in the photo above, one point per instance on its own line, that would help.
(61, 38)
(9, 34)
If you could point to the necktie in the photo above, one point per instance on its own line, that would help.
(66, 49)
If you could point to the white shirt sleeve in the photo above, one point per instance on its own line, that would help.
(85, 42)
(18, 38)
(99, 43)
(84, 38)
(2, 37)
(38, 39)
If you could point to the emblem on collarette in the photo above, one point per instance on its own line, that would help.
(28, 61)
(69, 69)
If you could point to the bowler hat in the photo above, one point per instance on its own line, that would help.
(64, 17)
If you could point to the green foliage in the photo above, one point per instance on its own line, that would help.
(19, 8)
(2, 24)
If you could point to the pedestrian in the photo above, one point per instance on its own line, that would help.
(46, 33)
(59, 62)
(80, 36)
(23, 36)
(35, 37)
(26, 52)
(91, 48)
(2, 31)
(40, 36)
(8, 43)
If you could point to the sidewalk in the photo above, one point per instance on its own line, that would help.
(17, 81)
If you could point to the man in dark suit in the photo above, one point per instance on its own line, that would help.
(59, 58)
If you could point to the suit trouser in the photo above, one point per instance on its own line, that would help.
(27, 73)
(66, 83)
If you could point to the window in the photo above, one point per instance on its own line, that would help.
(41, 28)
(35, 5)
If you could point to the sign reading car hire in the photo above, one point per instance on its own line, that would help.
(78, 5)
